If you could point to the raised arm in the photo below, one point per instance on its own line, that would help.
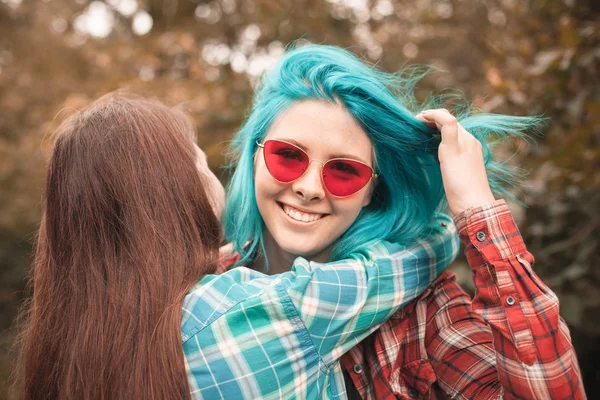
(510, 342)
(532, 349)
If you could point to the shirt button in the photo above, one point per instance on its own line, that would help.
(480, 236)
(412, 393)
(358, 369)
(510, 300)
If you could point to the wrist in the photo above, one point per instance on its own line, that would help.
(473, 203)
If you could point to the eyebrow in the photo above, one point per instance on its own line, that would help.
(335, 155)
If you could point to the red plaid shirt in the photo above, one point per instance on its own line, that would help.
(508, 342)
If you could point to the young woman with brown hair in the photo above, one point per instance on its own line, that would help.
(127, 229)
(125, 293)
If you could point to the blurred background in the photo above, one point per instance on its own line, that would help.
(506, 56)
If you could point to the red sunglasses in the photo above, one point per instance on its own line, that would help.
(341, 176)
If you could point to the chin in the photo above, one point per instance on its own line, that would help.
(300, 252)
(307, 251)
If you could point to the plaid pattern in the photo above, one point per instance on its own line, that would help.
(509, 342)
(250, 335)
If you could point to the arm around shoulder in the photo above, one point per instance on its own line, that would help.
(341, 303)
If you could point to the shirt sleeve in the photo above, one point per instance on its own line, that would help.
(511, 342)
(341, 303)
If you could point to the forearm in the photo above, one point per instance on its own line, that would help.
(355, 299)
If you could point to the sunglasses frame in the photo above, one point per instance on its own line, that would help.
(373, 174)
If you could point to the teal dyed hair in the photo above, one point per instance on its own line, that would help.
(409, 189)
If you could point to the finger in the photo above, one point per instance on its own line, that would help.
(466, 138)
(421, 118)
(446, 123)
(442, 119)
(225, 251)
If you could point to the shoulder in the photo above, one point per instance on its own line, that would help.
(444, 286)
(214, 295)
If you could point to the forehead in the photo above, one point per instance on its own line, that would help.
(323, 129)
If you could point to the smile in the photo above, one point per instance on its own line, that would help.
(299, 215)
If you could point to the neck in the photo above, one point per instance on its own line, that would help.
(280, 260)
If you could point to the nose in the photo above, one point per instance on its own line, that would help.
(309, 186)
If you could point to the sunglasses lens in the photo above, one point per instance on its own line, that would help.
(345, 177)
(284, 161)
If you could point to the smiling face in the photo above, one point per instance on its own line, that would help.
(302, 218)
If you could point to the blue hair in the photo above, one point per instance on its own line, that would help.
(409, 188)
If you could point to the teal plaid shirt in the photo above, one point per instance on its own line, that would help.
(247, 335)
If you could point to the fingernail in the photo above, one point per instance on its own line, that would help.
(425, 111)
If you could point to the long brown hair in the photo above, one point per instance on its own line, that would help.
(127, 229)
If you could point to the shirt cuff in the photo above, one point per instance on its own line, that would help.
(492, 230)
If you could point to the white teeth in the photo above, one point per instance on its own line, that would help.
(300, 216)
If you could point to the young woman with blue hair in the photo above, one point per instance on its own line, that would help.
(331, 164)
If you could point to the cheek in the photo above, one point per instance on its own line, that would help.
(217, 196)
(346, 212)
(349, 207)
(220, 190)
(260, 183)
(264, 191)
(264, 184)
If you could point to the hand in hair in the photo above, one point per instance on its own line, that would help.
(461, 161)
